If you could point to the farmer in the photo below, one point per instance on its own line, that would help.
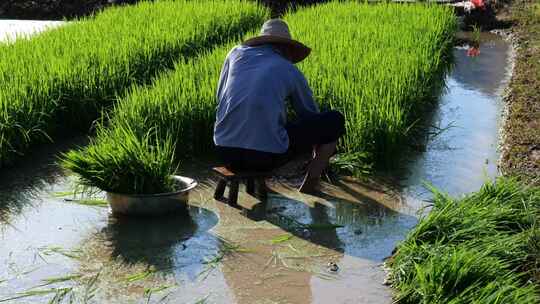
(251, 130)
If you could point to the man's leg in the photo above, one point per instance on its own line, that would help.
(316, 167)
(322, 131)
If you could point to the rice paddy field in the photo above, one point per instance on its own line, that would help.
(61, 80)
(380, 71)
(381, 66)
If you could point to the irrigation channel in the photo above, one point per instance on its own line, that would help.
(274, 253)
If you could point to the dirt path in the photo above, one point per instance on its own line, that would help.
(521, 139)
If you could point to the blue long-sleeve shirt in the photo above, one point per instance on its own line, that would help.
(254, 85)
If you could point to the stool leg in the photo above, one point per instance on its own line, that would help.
(220, 190)
(233, 193)
(262, 191)
(250, 186)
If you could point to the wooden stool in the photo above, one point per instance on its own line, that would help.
(233, 180)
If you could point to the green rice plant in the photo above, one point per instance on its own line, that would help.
(381, 65)
(132, 165)
(61, 79)
(378, 64)
(483, 248)
(178, 107)
(505, 207)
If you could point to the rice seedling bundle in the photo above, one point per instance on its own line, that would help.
(484, 248)
(181, 105)
(380, 65)
(62, 78)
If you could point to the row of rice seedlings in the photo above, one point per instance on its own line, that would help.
(62, 78)
(382, 66)
(484, 248)
(174, 116)
(182, 105)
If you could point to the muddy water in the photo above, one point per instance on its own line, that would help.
(462, 157)
(11, 29)
(292, 248)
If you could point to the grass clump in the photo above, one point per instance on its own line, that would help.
(62, 78)
(121, 162)
(484, 248)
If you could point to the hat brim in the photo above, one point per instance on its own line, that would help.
(298, 50)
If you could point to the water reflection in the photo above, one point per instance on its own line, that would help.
(21, 186)
(486, 72)
(169, 243)
(461, 158)
(149, 240)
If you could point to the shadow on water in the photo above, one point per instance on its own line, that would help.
(342, 218)
(21, 185)
(172, 243)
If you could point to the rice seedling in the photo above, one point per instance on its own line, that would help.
(227, 249)
(148, 292)
(64, 193)
(130, 166)
(483, 248)
(391, 64)
(38, 292)
(89, 202)
(62, 279)
(51, 250)
(203, 300)
(82, 290)
(139, 276)
(61, 79)
(281, 238)
(157, 289)
(357, 163)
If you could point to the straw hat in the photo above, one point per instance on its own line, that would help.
(277, 31)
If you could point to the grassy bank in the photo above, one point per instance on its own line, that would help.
(62, 78)
(484, 248)
(521, 143)
(374, 63)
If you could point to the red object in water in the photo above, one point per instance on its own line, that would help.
(479, 4)
(473, 51)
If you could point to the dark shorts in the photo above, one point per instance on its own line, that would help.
(318, 129)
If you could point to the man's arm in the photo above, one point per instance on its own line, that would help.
(223, 77)
(301, 95)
